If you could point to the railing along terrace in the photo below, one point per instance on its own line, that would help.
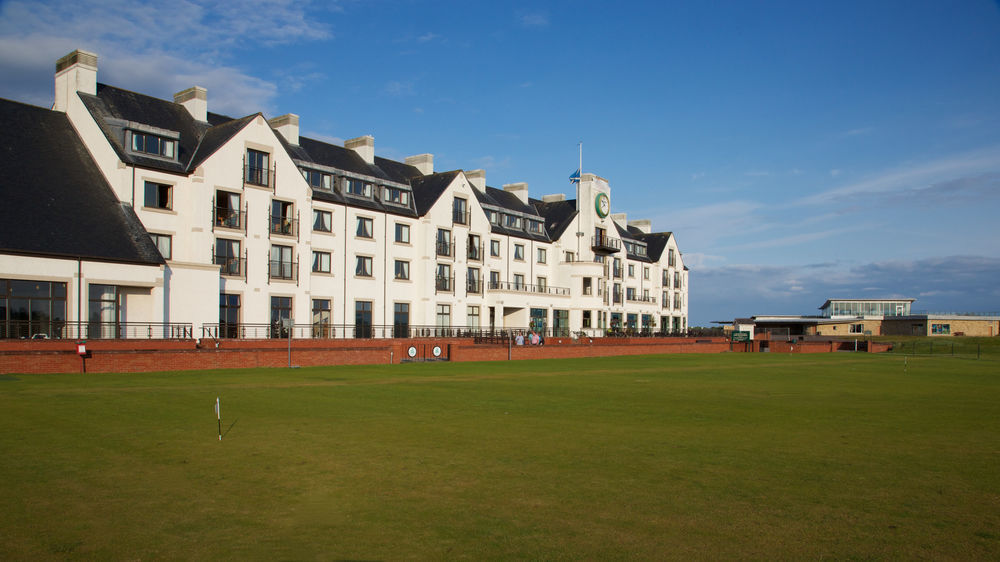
(605, 243)
(231, 266)
(460, 217)
(31, 329)
(617, 297)
(637, 298)
(256, 175)
(526, 288)
(474, 286)
(225, 217)
(325, 330)
(284, 226)
(444, 284)
(444, 248)
(287, 270)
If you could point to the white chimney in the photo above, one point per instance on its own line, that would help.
(287, 126)
(422, 162)
(195, 100)
(477, 178)
(518, 189)
(364, 146)
(75, 72)
(553, 198)
(619, 218)
(644, 225)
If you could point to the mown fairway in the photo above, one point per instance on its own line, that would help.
(755, 456)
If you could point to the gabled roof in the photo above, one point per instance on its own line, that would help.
(427, 189)
(656, 242)
(215, 137)
(558, 215)
(56, 202)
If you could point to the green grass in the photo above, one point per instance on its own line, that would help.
(956, 346)
(752, 456)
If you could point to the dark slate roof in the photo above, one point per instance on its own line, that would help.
(427, 189)
(558, 215)
(56, 202)
(397, 171)
(508, 200)
(217, 136)
(656, 242)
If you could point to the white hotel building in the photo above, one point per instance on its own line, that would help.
(256, 224)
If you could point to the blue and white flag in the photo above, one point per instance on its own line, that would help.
(575, 176)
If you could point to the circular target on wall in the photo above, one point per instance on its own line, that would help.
(412, 351)
(436, 351)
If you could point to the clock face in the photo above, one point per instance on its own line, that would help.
(603, 205)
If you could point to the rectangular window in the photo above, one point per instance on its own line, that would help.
(402, 233)
(442, 278)
(475, 250)
(630, 293)
(402, 269)
(513, 222)
(322, 318)
(460, 211)
(444, 242)
(28, 308)
(472, 321)
(542, 284)
(586, 318)
(401, 320)
(363, 319)
(494, 217)
(163, 243)
(282, 266)
(631, 270)
(473, 284)
(677, 279)
(666, 279)
(665, 301)
(495, 248)
(856, 328)
(671, 261)
(363, 267)
(618, 268)
(318, 180)
(569, 257)
(104, 307)
(645, 295)
(534, 226)
(283, 218)
(519, 252)
(587, 287)
(258, 170)
(543, 255)
(365, 228)
(227, 255)
(322, 221)
(645, 273)
(321, 262)
(494, 280)
(519, 282)
(443, 318)
(229, 315)
(227, 210)
(158, 196)
(152, 144)
(358, 187)
(281, 310)
(396, 196)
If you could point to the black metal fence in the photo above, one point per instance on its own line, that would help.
(29, 329)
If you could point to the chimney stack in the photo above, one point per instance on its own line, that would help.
(287, 126)
(477, 178)
(195, 101)
(518, 189)
(644, 225)
(422, 162)
(364, 146)
(553, 198)
(75, 72)
(619, 218)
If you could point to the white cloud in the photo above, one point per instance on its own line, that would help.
(429, 36)
(835, 172)
(536, 19)
(398, 88)
(857, 132)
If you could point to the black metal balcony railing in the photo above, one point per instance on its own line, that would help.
(231, 266)
(640, 298)
(283, 226)
(224, 217)
(59, 329)
(279, 269)
(444, 248)
(475, 253)
(618, 272)
(526, 288)
(254, 175)
(460, 217)
(605, 244)
(474, 286)
(444, 284)
(616, 297)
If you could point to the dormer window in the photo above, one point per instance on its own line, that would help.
(396, 196)
(152, 144)
(514, 222)
(494, 217)
(318, 180)
(534, 226)
(358, 187)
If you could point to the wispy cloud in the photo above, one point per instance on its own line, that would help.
(534, 19)
(398, 88)
(491, 162)
(129, 37)
(858, 132)
(429, 36)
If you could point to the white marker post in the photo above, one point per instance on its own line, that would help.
(218, 415)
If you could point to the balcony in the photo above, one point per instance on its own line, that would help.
(618, 272)
(446, 249)
(224, 217)
(525, 288)
(460, 217)
(616, 297)
(444, 284)
(232, 266)
(257, 176)
(475, 253)
(474, 286)
(283, 226)
(605, 244)
(641, 299)
(61, 329)
(283, 270)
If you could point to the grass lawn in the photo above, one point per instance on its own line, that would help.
(759, 456)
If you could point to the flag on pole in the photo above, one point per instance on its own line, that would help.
(575, 176)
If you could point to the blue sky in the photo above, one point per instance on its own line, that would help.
(798, 150)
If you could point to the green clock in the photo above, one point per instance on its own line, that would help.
(602, 204)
